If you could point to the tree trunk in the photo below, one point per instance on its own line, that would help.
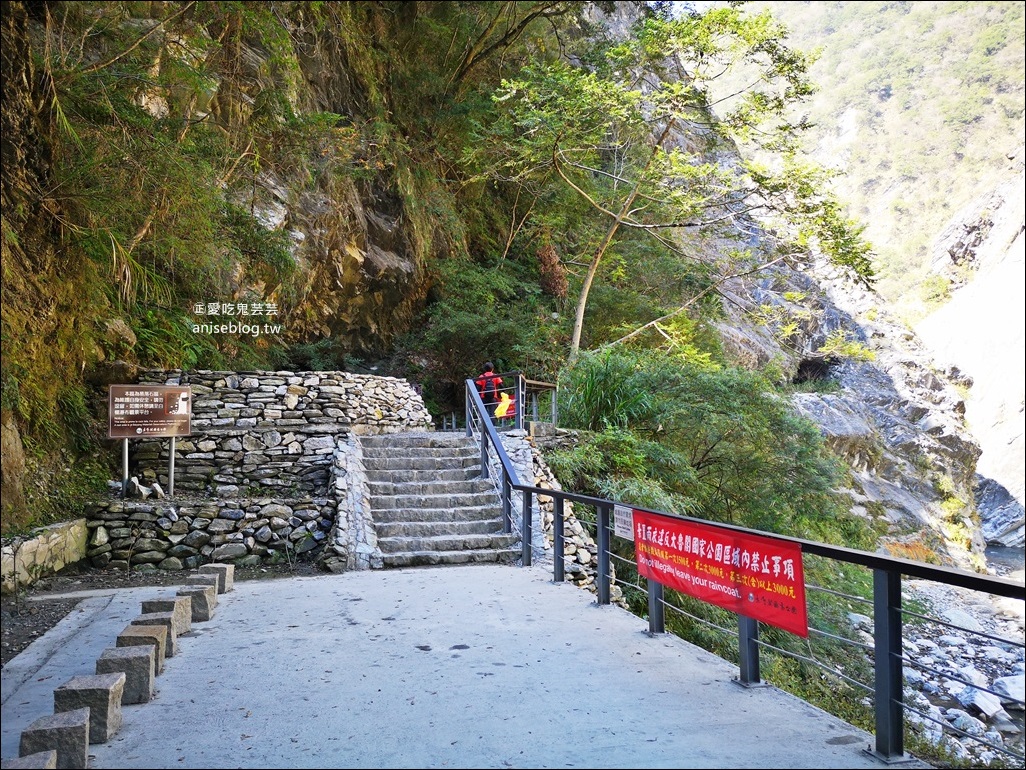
(582, 300)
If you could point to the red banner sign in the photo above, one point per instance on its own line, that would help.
(758, 577)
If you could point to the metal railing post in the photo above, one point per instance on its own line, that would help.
(656, 613)
(602, 579)
(507, 514)
(525, 529)
(171, 469)
(558, 567)
(748, 651)
(466, 412)
(518, 408)
(887, 648)
(124, 468)
(484, 454)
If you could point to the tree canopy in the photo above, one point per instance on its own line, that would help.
(629, 129)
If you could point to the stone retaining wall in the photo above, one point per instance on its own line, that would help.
(273, 432)
(272, 470)
(255, 461)
(184, 534)
(48, 550)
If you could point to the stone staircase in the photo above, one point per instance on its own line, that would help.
(429, 502)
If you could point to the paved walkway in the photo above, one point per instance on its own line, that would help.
(467, 667)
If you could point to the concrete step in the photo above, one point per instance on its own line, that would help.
(460, 487)
(419, 463)
(373, 453)
(477, 513)
(438, 528)
(445, 543)
(417, 440)
(429, 558)
(411, 476)
(406, 502)
(429, 503)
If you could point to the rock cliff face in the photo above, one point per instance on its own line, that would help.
(980, 330)
(889, 412)
(932, 425)
(360, 258)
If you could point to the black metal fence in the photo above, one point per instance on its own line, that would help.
(533, 401)
(888, 617)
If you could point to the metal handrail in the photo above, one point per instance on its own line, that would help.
(887, 572)
(489, 434)
(526, 393)
(531, 390)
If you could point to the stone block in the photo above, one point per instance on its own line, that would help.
(203, 600)
(47, 760)
(156, 636)
(225, 575)
(101, 694)
(205, 579)
(166, 619)
(138, 666)
(179, 606)
(66, 733)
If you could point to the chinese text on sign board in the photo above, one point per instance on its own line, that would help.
(759, 577)
(149, 411)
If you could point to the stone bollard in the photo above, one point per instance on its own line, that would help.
(205, 579)
(166, 619)
(203, 600)
(179, 606)
(137, 664)
(101, 694)
(66, 733)
(44, 760)
(155, 636)
(225, 575)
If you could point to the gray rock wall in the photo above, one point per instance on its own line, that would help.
(271, 471)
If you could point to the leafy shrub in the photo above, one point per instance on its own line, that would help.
(717, 443)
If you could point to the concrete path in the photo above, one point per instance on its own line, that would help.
(467, 667)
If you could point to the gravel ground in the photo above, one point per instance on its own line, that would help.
(34, 610)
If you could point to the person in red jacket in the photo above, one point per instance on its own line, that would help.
(488, 383)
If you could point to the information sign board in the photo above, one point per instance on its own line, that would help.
(150, 411)
(623, 522)
(758, 577)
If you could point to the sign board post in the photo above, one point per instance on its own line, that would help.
(149, 411)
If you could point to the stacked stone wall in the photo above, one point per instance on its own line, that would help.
(273, 432)
(271, 471)
(253, 461)
(183, 534)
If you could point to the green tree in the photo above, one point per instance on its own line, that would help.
(632, 135)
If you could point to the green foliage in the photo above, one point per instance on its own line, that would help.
(838, 345)
(717, 442)
(591, 130)
(930, 124)
(265, 252)
(165, 339)
(494, 311)
(323, 355)
(934, 290)
(602, 391)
